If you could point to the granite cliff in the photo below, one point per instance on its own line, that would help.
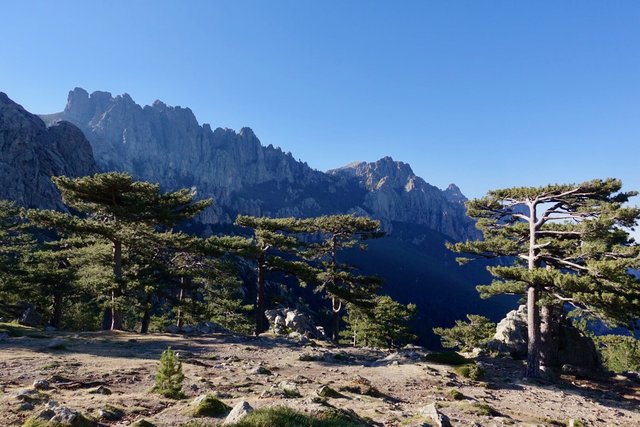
(166, 144)
(396, 194)
(31, 153)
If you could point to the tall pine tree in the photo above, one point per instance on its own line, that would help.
(273, 247)
(568, 244)
(337, 280)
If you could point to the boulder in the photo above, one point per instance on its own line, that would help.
(439, 419)
(285, 320)
(240, 410)
(574, 349)
(41, 385)
(511, 334)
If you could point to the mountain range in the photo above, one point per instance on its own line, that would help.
(166, 144)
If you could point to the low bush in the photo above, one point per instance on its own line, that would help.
(471, 371)
(210, 406)
(447, 358)
(466, 336)
(619, 353)
(286, 417)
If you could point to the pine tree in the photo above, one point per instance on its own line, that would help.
(567, 244)
(466, 336)
(337, 280)
(273, 248)
(50, 273)
(121, 210)
(169, 377)
(15, 242)
(386, 324)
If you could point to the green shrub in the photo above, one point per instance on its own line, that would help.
(467, 335)
(471, 371)
(169, 377)
(210, 406)
(142, 423)
(286, 417)
(455, 394)
(477, 408)
(619, 353)
(447, 358)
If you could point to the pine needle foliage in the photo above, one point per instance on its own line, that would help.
(169, 377)
(466, 336)
(559, 244)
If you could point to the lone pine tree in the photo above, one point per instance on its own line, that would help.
(567, 244)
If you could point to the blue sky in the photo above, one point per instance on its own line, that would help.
(486, 94)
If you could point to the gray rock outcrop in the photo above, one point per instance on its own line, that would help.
(574, 349)
(285, 320)
(396, 194)
(31, 153)
(511, 334)
(165, 144)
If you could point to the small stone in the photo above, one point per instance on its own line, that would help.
(64, 416)
(41, 385)
(110, 413)
(26, 406)
(99, 390)
(260, 370)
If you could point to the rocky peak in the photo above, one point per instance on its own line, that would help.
(396, 194)
(454, 195)
(31, 153)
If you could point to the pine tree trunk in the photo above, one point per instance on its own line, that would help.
(336, 306)
(146, 318)
(116, 314)
(260, 302)
(56, 312)
(533, 332)
(533, 313)
(550, 341)
(179, 319)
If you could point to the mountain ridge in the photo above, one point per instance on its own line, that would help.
(166, 144)
(31, 153)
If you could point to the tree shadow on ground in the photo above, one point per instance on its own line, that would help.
(603, 389)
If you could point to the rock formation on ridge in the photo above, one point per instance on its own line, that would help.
(166, 144)
(31, 153)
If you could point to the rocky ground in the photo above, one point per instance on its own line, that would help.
(94, 372)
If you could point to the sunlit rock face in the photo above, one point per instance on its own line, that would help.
(166, 144)
(31, 153)
(396, 194)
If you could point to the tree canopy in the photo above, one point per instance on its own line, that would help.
(561, 244)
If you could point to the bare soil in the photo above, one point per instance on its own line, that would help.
(385, 387)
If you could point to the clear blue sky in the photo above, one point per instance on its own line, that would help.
(486, 94)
